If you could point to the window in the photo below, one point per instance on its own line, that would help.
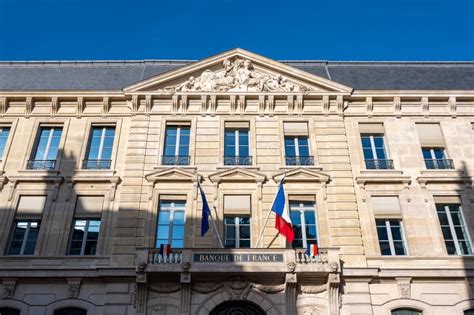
(237, 221)
(171, 220)
(70, 311)
(46, 150)
(390, 233)
(435, 158)
(297, 149)
(236, 144)
(237, 232)
(26, 225)
(452, 225)
(85, 236)
(86, 225)
(4, 132)
(24, 237)
(176, 151)
(433, 147)
(469, 312)
(405, 311)
(9, 311)
(303, 217)
(375, 155)
(99, 151)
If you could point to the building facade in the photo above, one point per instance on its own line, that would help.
(102, 162)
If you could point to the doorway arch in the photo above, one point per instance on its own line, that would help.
(237, 308)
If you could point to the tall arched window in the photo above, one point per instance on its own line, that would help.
(70, 311)
(405, 311)
(9, 311)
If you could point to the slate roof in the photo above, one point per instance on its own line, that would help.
(114, 75)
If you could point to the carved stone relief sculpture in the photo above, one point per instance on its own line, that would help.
(238, 75)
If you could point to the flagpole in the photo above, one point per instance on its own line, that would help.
(215, 227)
(263, 228)
(268, 216)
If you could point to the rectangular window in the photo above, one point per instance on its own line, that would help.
(99, 150)
(236, 147)
(303, 217)
(85, 236)
(237, 231)
(24, 237)
(436, 158)
(46, 151)
(4, 132)
(433, 147)
(375, 155)
(176, 151)
(171, 223)
(297, 149)
(391, 240)
(453, 229)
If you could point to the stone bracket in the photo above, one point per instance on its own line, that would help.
(9, 285)
(73, 287)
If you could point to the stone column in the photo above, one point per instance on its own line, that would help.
(185, 307)
(290, 293)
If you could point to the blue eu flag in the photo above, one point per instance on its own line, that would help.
(205, 213)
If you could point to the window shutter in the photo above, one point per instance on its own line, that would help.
(295, 128)
(30, 207)
(237, 204)
(89, 206)
(386, 206)
(296, 198)
(178, 123)
(447, 200)
(371, 128)
(169, 197)
(430, 135)
(237, 124)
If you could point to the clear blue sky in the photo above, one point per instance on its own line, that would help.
(293, 29)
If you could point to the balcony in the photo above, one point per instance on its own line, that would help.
(41, 164)
(175, 160)
(96, 164)
(237, 160)
(379, 164)
(220, 260)
(439, 164)
(299, 160)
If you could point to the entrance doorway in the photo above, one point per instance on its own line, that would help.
(237, 308)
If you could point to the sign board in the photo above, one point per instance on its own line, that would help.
(231, 258)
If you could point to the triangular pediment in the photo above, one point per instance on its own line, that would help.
(172, 174)
(237, 174)
(237, 71)
(302, 175)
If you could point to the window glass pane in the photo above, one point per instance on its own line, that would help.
(163, 232)
(399, 248)
(3, 139)
(439, 153)
(303, 146)
(295, 217)
(426, 153)
(244, 243)
(366, 142)
(381, 154)
(378, 141)
(290, 146)
(170, 140)
(178, 232)
(450, 247)
(244, 231)
(405, 311)
(385, 248)
(368, 154)
(243, 137)
(164, 217)
(178, 217)
(171, 220)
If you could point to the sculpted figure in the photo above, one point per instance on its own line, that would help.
(190, 85)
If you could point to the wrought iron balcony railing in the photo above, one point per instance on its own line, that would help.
(299, 160)
(237, 160)
(41, 164)
(379, 164)
(96, 164)
(442, 164)
(175, 160)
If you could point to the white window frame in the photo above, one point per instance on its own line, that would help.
(84, 237)
(172, 208)
(390, 237)
(453, 231)
(372, 145)
(301, 209)
(6, 142)
(25, 237)
(237, 141)
(48, 144)
(178, 139)
(102, 140)
(237, 230)
(297, 145)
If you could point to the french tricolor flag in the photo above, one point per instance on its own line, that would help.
(283, 221)
(312, 250)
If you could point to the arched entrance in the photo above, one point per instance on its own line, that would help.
(237, 308)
